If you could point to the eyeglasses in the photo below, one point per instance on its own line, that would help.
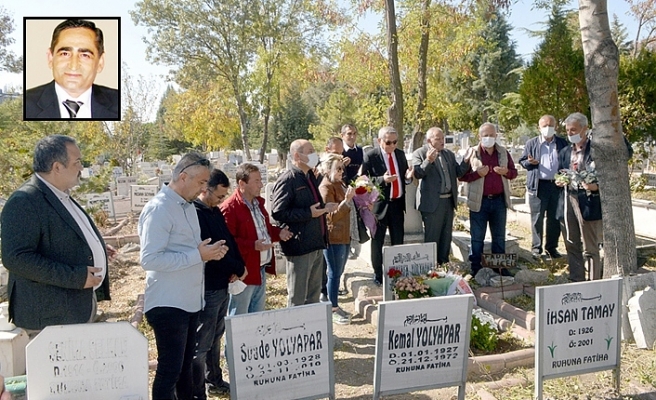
(203, 161)
(390, 142)
(220, 198)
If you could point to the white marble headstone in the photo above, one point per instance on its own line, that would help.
(103, 361)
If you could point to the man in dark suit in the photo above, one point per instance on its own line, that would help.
(54, 253)
(437, 194)
(387, 167)
(76, 55)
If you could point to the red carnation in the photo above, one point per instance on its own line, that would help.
(360, 190)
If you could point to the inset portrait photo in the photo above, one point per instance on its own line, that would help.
(72, 68)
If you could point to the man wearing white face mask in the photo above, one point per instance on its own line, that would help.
(488, 193)
(540, 159)
(297, 204)
(584, 234)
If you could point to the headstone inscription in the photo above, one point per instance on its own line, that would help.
(141, 194)
(410, 259)
(106, 361)
(104, 200)
(123, 184)
(422, 344)
(577, 329)
(282, 354)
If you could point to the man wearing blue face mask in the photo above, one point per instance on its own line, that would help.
(297, 204)
(488, 193)
(540, 159)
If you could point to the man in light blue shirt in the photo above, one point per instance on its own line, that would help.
(540, 159)
(173, 256)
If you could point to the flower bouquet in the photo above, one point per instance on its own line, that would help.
(366, 194)
(408, 287)
(576, 178)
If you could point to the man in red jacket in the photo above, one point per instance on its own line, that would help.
(249, 224)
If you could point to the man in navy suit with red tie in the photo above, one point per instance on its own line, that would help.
(387, 166)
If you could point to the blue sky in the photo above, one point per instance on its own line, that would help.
(133, 49)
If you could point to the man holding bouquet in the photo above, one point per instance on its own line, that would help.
(583, 234)
(387, 167)
(437, 194)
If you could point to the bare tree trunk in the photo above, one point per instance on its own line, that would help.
(395, 110)
(418, 131)
(608, 148)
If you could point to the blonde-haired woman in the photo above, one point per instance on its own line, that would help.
(333, 189)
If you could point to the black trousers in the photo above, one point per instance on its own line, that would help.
(393, 220)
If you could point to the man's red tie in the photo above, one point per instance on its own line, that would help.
(395, 184)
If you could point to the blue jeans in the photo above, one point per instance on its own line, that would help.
(208, 347)
(493, 212)
(175, 337)
(336, 256)
(251, 300)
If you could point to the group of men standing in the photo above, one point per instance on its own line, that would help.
(197, 239)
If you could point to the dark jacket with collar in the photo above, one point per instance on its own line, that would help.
(292, 198)
(430, 180)
(374, 167)
(532, 148)
(213, 225)
(47, 256)
(356, 155)
(41, 103)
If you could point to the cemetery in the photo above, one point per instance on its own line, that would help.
(410, 354)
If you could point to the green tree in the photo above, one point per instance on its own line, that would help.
(8, 60)
(637, 96)
(493, 67)
(221, 41)
(554, 80)
(292, 122)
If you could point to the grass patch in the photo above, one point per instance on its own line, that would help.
(523, 301)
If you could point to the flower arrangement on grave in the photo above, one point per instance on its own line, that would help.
(408, 287)
(366, 194)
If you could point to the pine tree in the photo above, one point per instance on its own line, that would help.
(554, 80)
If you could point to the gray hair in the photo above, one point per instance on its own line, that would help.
(433, 131)
(189, 160)
(485, 125)
(577, 117)
(51, 149)
(386, 130)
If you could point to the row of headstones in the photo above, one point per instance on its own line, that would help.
(288, 353)
(127, 190)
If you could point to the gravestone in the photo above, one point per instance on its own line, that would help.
(273, 160)
(281, 354)
(141, 194)
(104, 200)
(577, 330)
(642, 317)
(633, 284)
(410, 259)
(422, 344)
(117, 171)
(123, 184)
(12, 345)
(102, 361)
